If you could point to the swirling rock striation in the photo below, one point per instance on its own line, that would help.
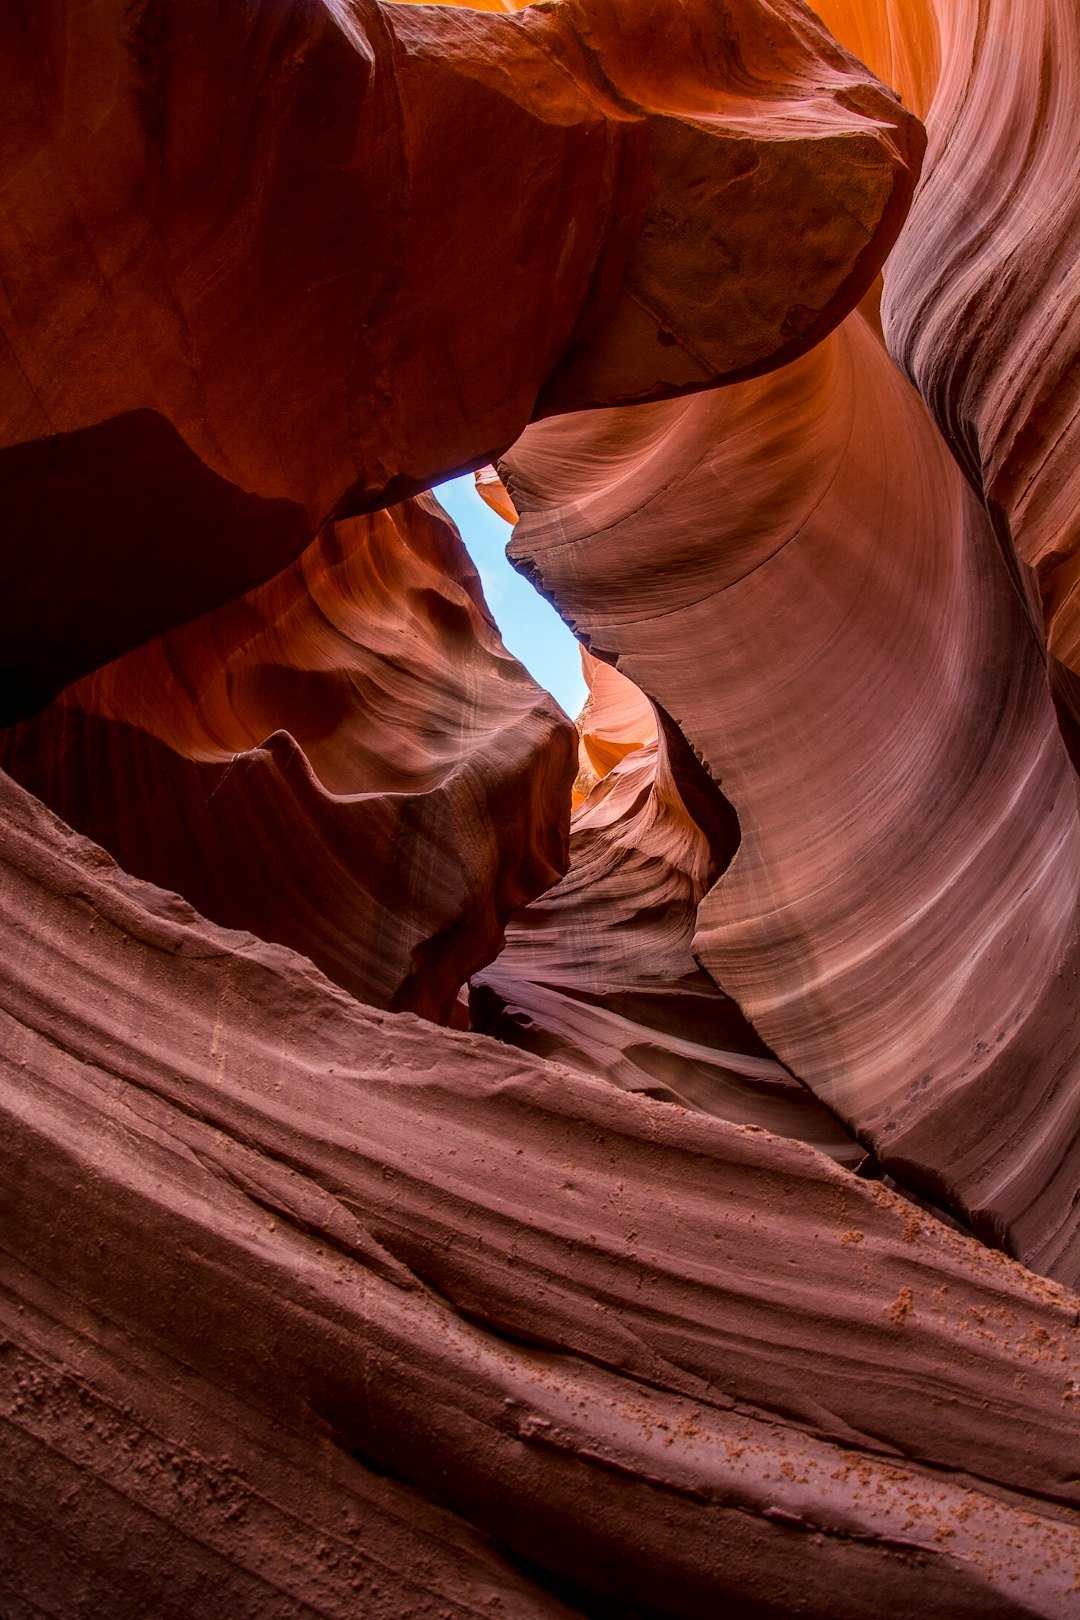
(982, 293)
(249, 256)
(310, 1308)
(346, 760)
(598, 973)
(979, 307)
(308, 1209)
(900, 920)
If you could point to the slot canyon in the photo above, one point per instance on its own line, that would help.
(462, 1160)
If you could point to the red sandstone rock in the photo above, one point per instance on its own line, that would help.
(598, 973)
(276, 1245)
(346, 760)
(308, 1309)
(991, 233)
(900, 921)
(252, 277)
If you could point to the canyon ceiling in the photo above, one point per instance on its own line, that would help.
(455, 1163)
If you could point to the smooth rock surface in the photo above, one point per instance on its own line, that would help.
(346, 760)
(312, 1309)
(598, 973)
(251, 1219)
(900, 921)
(982, 293)
(252, 277)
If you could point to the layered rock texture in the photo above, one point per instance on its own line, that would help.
(237, 302)
(346, 761)
(626, 1296)
(316, 1242)
(899, 922)
(815, 523)
(599, 973)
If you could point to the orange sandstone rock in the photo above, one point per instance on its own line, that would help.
(492, 490)
(346, 760)
(253, 280)
(619, 718)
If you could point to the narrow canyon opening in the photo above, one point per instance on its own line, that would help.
(530, 627)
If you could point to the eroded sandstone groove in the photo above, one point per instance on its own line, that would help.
(312, 1305)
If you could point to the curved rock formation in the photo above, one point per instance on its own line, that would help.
(311, 1309)
(982, 300)
(492, 490)
(584, 1320)
(977, 306)
(900, 921)
(220, 316)
(598, 973)
(900, 39)
(346, 760)
(617, 718)
(981, 293)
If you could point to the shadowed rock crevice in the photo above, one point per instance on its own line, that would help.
(599, 973)
(347, 761)
(118, 532)
(313, 1308)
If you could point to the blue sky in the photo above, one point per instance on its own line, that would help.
(530, 627)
